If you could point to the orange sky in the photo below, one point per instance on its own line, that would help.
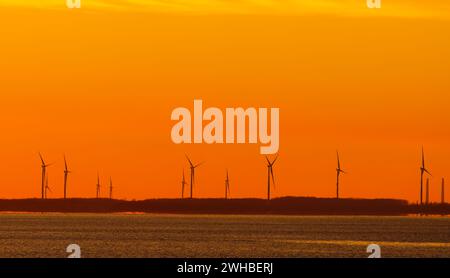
(99, 84)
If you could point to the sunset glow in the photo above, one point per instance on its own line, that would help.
(99, 84)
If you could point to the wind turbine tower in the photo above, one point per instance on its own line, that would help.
(422, 171)
(227, 186)
(270, 174)
(183, 183)
(110, 188)
(98, 186)
(44, 169)
(192, 166)
(66, 173)
(338, 173)
(427, 189)
(47, 188)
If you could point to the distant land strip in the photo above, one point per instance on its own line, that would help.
(276, 206)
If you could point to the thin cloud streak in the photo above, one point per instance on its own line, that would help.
(351, 8)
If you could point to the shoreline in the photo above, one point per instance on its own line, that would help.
(168, 214)
(277, 206)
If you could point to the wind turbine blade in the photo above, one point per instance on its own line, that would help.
(338, 160)
(65, 164)
(268, 161)
(42, 159)
(203, 162)
(423, 158)
(273, 162)
(273, 178)
(190, 162)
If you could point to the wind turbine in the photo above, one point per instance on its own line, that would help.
(110, 188)
(193, 172)
(422, 171)
(44, 169)
(66, 173)
(98, 185)
(338, 173)
(183, 183)
(227, 186)
(270, 174)
(442, 192)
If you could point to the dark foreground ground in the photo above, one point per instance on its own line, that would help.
(281, 206)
